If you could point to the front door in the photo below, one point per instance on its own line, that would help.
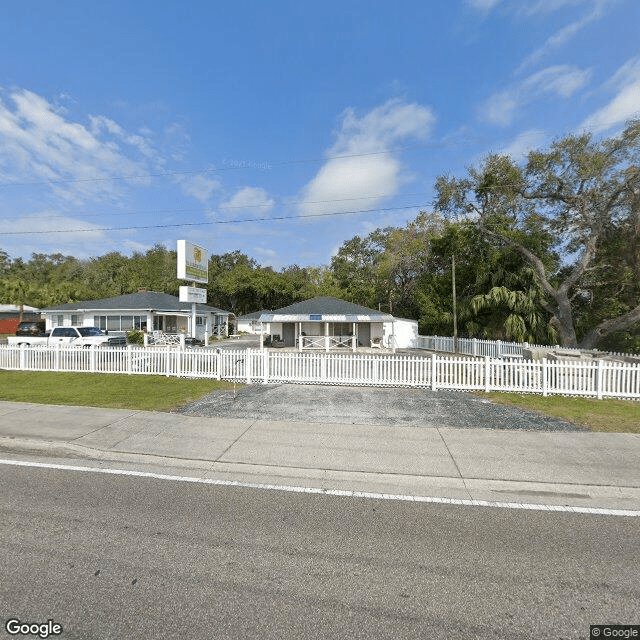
(364, 334)
(289, 334)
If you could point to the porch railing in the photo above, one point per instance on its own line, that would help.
(326, 342)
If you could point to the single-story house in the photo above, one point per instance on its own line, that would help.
(145, 311)
(328, 323)
(250, 322)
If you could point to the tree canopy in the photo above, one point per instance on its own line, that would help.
(573, 213)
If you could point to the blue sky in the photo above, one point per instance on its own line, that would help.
(128, 123)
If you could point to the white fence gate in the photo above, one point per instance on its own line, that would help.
(599, 379)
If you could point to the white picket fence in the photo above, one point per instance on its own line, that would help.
(599, 379)
(473, 346)
(492, 348)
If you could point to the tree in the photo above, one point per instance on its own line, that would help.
(14, 291)
(560, 211)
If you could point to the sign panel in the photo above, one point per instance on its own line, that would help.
(193, 294)
(193, 262)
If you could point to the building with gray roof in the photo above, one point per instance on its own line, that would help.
(144, 311)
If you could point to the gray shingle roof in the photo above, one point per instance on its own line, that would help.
(142, 301)
(331, 309)
(253, 316)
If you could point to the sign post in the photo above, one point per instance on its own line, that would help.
(193, 265)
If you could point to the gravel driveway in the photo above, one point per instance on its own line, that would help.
(368, 405)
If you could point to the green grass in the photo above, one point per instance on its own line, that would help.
(615, 416)
(147, 393)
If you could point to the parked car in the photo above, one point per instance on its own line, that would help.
(35, 328)
(71, 336)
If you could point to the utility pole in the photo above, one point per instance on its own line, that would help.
(455, 313)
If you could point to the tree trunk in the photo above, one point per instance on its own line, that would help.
(607, 327)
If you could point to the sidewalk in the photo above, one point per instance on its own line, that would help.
(598, 470)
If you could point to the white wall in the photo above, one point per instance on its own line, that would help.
(405, 332)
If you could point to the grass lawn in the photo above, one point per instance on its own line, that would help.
(615, 416)
(148, 393)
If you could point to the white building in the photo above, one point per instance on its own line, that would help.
(327, 323)
(145, 311)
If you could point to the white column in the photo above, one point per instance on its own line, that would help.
(326, 336)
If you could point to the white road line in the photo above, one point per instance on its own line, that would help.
(330, 492)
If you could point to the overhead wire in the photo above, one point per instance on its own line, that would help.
(209, 222)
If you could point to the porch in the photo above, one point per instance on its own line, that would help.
(326, 336)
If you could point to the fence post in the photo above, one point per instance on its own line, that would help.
(218, 363)
(92, 359)
(179, 353)
(475, 346)
(498, 348)
(545, 382)
(265, 366)
(129, 357)
(247, 365)
(487, 374)
(56, 360)
(599, 381)
(167, 368)
(434, 369)
(23, 363)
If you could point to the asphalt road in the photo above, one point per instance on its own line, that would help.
(369, 405)
(113, 557)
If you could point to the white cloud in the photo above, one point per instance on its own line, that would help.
(567, 32)
(559, 80)
(362, 167)
(525, 142)
(249, 199)
(483, 5)
(201, 187)
(38, 143)
(625, 105)
(80, 238)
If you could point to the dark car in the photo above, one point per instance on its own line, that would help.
(32, 328)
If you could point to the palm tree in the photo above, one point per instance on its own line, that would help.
(14, 291)
(519, 313)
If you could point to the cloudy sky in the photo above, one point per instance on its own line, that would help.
(283, 129)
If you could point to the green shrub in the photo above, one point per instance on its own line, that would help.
(135, 337)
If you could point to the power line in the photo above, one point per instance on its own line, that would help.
(236, 165)
(211, 222)
(208, 209)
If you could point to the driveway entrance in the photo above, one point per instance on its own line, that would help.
(368, 405)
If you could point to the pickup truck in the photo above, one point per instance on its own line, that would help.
(71, 336)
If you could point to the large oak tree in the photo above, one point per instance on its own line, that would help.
(573, 212)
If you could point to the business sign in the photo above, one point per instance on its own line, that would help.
(193, 262)
(193, 294)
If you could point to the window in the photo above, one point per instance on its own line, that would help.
(120, 323)
(75, 319)
(199, 321)
(57, 320)
(342, 328)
